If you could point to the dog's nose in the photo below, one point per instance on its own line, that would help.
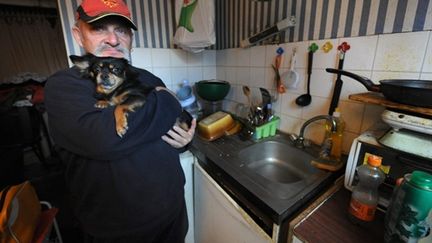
(104, 76)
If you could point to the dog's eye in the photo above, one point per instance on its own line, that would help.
(116, 70)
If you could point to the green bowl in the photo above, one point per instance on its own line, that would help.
(212, 90)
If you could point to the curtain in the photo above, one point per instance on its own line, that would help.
(31, 42)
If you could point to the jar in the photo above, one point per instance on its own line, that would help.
(409, 215)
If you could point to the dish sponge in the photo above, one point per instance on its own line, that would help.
(330, 165)
(215, 125)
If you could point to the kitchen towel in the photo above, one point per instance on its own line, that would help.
(195, 24)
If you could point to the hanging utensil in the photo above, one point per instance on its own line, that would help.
(291, 77)
(342, 48)
(247, 93)
(306, 99)
(277, 64)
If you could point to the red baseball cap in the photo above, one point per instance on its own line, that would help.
(92, 10)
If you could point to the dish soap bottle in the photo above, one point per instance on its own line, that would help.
(332, 145)
(364, 198)
(336, 137)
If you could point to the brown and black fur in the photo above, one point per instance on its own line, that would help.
(116, 85)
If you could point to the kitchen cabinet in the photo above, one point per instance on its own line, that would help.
(218, 218)
(187, 161)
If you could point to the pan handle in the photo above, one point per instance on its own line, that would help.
(363, 80)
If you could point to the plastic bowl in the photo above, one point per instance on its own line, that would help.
(212, 90)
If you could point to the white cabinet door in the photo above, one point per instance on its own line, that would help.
(218, 218)
(186, 160)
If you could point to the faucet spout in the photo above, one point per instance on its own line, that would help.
(300, 139)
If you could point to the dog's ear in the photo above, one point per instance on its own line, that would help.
(82, 62)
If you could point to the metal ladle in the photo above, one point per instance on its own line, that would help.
(306, 99)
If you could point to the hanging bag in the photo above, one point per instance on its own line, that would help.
(195, 24)
(19, 213)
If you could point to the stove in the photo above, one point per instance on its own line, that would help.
(410, 133)
(408, 120)
(402, 148)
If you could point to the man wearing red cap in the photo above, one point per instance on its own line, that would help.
(127, 189)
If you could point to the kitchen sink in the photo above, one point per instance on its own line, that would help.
(278, 167)
(272, 174)
(272, 168)
(278, 162)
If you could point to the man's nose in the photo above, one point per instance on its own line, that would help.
(112, 38)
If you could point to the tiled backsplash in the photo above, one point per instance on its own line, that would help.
(175, 65)
(403, 55)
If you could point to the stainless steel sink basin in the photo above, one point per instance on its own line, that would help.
(270, 176)
(278, 167)
(278, 162)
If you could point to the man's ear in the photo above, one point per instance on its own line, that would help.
(82, 62)
(77, 35)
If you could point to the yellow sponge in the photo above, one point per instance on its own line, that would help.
(215, 125)
(327, 164)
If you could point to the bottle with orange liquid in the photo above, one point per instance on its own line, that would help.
(364, 198)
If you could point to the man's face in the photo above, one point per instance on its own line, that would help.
(109, 36)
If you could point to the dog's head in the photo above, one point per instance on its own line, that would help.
(107, 72)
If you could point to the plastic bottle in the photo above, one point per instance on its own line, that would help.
(336, 149)
(332, 146)
(364, 198)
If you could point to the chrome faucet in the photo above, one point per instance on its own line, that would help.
(299, 140)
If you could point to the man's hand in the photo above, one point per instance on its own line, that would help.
(179, 137)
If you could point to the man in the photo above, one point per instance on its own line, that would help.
(127, 189)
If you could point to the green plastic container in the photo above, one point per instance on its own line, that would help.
(267, 130)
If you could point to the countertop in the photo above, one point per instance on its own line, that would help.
(330, 223)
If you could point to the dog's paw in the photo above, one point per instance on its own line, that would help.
(121, 120)
(121, 128)
(101, 104)
(121, 131)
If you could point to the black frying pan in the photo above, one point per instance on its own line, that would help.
(405, 91)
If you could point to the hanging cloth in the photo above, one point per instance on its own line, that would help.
(195, 24)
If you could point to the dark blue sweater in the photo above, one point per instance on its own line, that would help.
(117, 185)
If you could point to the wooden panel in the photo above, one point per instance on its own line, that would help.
(379, 99)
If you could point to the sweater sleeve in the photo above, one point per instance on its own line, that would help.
(76, 125)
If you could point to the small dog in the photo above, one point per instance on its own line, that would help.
(117, 85)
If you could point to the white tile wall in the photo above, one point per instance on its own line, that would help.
(427, 66)
(363, 49)
(175, 65)
(404, 55)
(402, 52)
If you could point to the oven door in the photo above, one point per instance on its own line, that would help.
(395, 164)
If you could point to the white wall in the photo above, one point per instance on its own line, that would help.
(175, 65)
(403, 55)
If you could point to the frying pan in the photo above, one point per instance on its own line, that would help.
(405, 91)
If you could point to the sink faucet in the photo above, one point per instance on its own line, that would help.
(299, 140)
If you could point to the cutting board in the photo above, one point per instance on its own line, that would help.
(378, 99)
